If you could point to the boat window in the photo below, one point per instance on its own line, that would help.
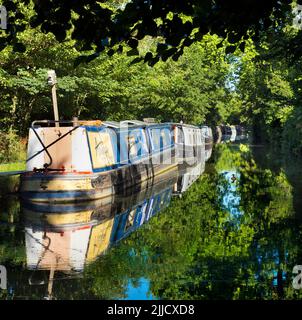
(132, 146)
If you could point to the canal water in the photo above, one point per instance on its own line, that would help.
(230, 228)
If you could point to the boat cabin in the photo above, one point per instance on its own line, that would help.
(96, 148)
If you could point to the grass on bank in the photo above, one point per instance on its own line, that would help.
(14, 166)
(12, 152)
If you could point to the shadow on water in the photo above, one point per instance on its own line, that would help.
(227, 230)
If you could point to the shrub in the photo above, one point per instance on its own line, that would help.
(12, 148)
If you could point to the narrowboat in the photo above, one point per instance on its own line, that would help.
(230, 133)
(88, 160)
(241, 133)
(72, 161)
(189, 143)
(207, 133)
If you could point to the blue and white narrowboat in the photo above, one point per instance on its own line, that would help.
(190, 144)
(87, 160)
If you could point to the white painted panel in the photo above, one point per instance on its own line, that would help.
(34, 247)
(34, 146)
(191, 176)
(80, 151)
(78, 249)
(187, 135)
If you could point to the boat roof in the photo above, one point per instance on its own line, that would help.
(130, 123)
(113, 124)
(138, 123)
(134, 122)
(186, 125)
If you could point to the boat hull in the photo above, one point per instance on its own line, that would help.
(72, 187)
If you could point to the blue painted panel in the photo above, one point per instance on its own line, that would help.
(132, 145)
(58, 194)
(118, 226)
(120, 229)
(161, 138)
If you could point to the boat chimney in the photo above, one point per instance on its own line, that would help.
(75, 121)
(52, 81)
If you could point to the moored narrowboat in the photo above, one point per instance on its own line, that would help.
(190, 144)
(89, 160)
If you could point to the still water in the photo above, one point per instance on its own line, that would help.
(229, 228)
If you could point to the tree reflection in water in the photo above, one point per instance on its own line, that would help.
(234, 234)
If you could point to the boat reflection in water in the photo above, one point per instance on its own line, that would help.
(187, 176)
(208, 151)
(66, 237)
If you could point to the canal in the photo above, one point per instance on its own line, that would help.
(235, 233)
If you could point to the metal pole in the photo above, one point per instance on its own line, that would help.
(55, 104)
